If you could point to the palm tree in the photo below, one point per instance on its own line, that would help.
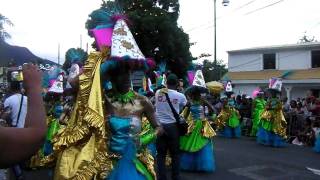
(3, 33)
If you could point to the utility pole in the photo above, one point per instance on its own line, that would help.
(224, 3)
(215, 30)
(80, 41)
(87, 47)
(59, 53)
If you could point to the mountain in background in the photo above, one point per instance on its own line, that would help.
(18, 55)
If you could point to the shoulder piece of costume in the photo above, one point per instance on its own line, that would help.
(273, 118)
(207, 131)
(86, 123)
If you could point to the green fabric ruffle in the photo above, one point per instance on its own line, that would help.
(142, 169)
(233, 120)
(195, 141)
(256, 116)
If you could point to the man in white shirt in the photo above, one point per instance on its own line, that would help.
(16, 104)
(13, 103)
(170, 139)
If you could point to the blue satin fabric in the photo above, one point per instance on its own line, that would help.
(196, 111)
(317, 145)
(269, 138)
(120, 128)
(230, 132)
(123, 143)
(203, 160)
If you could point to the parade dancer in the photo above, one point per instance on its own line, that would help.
(228, 120)
(258, 107)
(105, 137)
(272, 127)
(196, 146)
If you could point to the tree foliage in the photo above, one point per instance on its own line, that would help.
(213, 70)
(3, 33)
(155, 28)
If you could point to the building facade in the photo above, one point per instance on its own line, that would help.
(252, 68)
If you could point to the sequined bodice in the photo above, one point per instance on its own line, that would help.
(197, 111)
(123, 129)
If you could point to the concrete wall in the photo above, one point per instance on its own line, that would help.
(285, 60)
(244, 62)
(295, 59)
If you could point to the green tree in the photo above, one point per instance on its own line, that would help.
(155, 28)
(213, 70)
(3, 33)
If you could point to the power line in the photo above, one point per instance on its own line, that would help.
(246, 4)
(211, 23)
(261, 8)
(264, 7)
(211, 26)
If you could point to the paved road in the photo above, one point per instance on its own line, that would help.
(243, 159)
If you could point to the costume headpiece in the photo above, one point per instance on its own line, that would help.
(55, 77)
(275, 84)
(215, 87)
(228, 87)
(76, 56)
(198, 83)
(124, 49)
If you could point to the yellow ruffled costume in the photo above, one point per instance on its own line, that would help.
(81, 148)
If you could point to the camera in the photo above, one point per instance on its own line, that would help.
(17, 76)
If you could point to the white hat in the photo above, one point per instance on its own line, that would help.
(199, 79)
(228, 87)
(123, 43)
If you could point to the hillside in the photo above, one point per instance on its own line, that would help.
(18, 55)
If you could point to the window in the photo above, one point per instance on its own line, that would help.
(269, 61)
(315, 59)
(316, 92)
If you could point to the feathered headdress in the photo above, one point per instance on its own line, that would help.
(115, 34)
(78, 56)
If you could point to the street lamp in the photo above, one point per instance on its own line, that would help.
(224, 3)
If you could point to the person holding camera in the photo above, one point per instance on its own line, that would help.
(20, 142)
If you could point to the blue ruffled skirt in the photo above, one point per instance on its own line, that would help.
(269, 138)
(231, 132)
(125, 168)
(202, 160)
(317, 145)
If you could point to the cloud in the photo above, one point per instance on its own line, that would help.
(41, 24)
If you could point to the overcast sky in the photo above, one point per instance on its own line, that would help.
(41, 24)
